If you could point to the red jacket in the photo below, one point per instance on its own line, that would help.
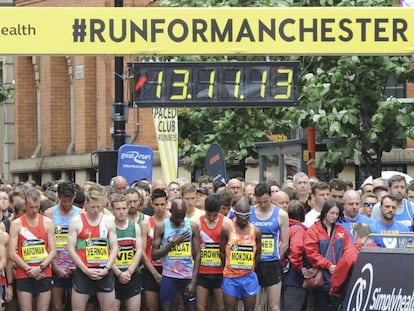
(297, 232)
(317, 244)
(344, 266)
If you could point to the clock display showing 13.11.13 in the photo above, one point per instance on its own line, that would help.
(214, 84)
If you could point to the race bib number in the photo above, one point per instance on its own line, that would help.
(241, 257)
(125, 255)
(268, 244)
(210, 254)
(97, 251)
(180, 251)
(61, 238)
(34, 251)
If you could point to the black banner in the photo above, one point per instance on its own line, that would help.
(381, 281)
(215, 163)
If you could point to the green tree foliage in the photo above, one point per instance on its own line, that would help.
(343, 97)
(5, 92)
(235, 130)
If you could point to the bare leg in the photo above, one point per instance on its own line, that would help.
(79, 301)
(218, 302)
(43, 301)
(106, 300)
(260, 296)
(202, 297)
(25, 300)
(133, 303)
(117, 304)
(249, 303)
(56, 299)
(152, 300)
(273, 296)
(230, 303)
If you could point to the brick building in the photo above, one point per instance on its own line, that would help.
(60, 116)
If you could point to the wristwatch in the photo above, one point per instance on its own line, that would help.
(42, 267)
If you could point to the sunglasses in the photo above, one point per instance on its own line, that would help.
(368, 204)
(243, 215)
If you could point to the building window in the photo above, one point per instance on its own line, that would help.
(56, 175)
(37, 177)
(70, 175)
(395, 88)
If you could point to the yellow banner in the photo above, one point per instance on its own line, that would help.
(166, 129)
(206, 31)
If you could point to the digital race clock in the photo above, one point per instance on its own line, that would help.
(214, 84)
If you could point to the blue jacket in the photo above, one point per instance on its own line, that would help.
(317, 243)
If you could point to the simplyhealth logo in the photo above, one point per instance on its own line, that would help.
(136, 157)
(366, 295)
(361, 291)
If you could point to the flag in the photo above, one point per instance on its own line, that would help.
(166, 129)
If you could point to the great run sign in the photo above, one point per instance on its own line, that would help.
(206, 31)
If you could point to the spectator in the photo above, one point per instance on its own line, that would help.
(387, 224)
(410, 192)
(302, 186)
(319, 195)
(325, 244)
(380, 191)
(201, 197)
(378, 182)
(352, 204)
(281, 199)
(235, 186)
(226, 203)
(293, 294)
(368, 202)
(249, 191)
(173, 190)
(219, 186)
(119, 184)
(367, 188)
(205, 181)
(337, 188)
(404, 212)
(349, 185)
(343, 269)
(291, 193)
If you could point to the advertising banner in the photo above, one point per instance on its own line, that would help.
(166, 129)
(207, 31)
(381, 281)
(135, 162)
(215, 163)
